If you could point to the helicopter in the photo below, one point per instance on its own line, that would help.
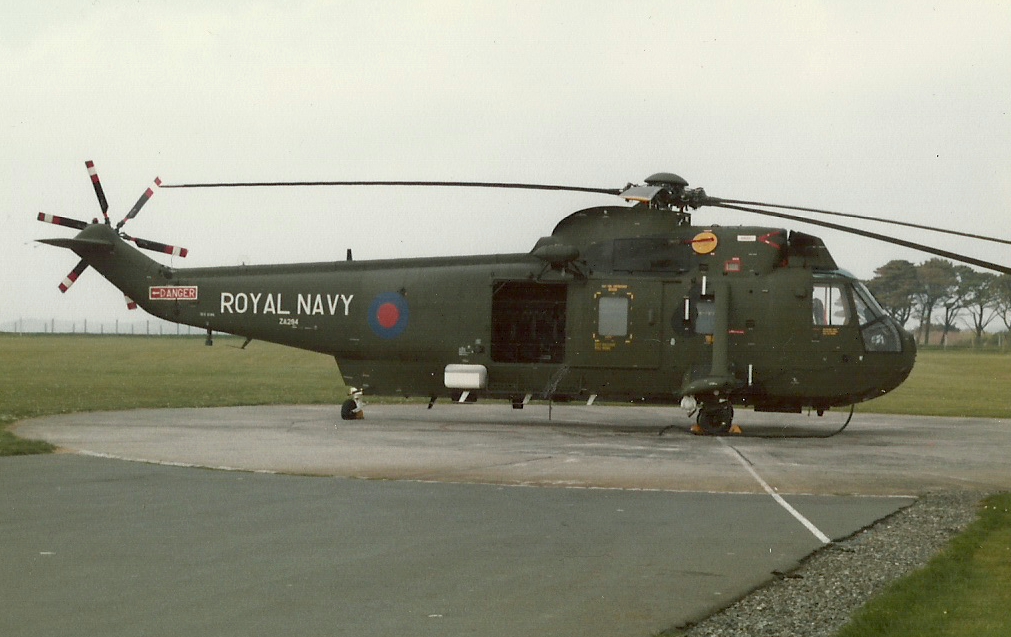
(622, 302)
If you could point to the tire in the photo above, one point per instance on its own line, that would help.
(715, 420)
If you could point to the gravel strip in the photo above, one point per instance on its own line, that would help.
(817, 599)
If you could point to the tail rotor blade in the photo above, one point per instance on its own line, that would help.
(130, 303)
(73, 276)
(140, 203)
(99, 192)
(62, 221)
(155, 246)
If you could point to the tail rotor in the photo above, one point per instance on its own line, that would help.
(103, 204)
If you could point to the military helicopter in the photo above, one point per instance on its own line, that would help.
(625, 302)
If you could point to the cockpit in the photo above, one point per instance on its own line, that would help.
(840, 299)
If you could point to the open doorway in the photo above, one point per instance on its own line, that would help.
(528, 322)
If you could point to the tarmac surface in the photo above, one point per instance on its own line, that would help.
(473, 519)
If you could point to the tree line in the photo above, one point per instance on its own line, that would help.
(939, 293)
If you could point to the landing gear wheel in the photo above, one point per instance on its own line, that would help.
(715, 420)
(349, 410)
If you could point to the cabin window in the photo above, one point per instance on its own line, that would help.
(612, 316)
(829, 305)
(705, 320)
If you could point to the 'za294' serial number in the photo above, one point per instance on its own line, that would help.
(291, 322)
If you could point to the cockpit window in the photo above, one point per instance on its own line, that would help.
(867, 306)
(879, 332)
(829, 305)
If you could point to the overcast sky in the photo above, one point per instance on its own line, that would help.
(895, 109)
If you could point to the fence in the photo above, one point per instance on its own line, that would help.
(148, 327)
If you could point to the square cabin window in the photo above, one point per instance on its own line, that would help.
(612, 318)
(706, 320)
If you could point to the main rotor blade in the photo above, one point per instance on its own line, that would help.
(441, 184)
(722, 203)
(62, 221)
(99, 192)
(957, 233)
(71, 278)
(140, 203)
(155, 246)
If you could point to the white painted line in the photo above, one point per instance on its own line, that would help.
(775, 496)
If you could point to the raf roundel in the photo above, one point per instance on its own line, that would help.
(388, 315)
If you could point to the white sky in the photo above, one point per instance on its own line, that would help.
(895, 109)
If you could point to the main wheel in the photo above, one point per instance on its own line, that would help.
(715, 419)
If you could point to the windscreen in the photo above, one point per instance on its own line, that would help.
(879, 331)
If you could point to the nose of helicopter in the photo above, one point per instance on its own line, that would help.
(886, 370)
(904, 364)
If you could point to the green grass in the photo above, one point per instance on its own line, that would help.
(951, 383)
(46, 375)
(11, 445)
(966, 590)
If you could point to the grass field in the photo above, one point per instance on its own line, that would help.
(951, 383)
(45, 375)
(964, 591)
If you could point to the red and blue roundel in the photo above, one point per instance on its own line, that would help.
(388, 315)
